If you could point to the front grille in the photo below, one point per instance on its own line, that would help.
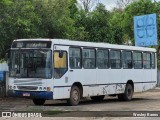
(28, 82)
(27, 87)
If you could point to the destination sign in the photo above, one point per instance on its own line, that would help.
(31, 44)
(36, 45)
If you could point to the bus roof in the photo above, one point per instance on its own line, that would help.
(67, 42)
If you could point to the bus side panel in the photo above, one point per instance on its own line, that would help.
(85, 91)
(61, 93)
(110, 89)
(137, 76)
(154, 74)
(154, 78)
(147, 74)
(103, 76)
(138, 87)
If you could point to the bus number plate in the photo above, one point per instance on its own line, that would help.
(26, 94)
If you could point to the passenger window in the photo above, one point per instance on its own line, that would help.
(137, 58)
(153, 60)
(127, 59)
(89, 58)
(60, 63)
(146, 60)
(102, 59)
(115, 59)
(75, 59)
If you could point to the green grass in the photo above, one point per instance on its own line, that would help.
(52, 113)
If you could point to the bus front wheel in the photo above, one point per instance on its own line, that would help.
(74, 96)
(38, 101)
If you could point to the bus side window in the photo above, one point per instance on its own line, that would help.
(146, 60)
(75, 59)
(102, 59)
(89, 60)
(137, 58)
(127, 59)
(60, 63)
(115, 59)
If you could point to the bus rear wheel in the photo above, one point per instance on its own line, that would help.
(38, 101)
(74, 96)
(97, 98)
(128, 94)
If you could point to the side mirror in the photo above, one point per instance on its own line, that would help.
(6, 57)
(60, 54)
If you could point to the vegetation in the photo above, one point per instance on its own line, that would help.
(64, 19)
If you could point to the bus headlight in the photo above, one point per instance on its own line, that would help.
(14, 87)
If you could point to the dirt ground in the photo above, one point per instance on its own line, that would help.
(110, 107)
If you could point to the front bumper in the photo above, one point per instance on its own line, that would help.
(31, 94)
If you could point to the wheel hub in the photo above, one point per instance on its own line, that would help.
(75, 95)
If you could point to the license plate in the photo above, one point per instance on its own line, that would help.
(26, 94)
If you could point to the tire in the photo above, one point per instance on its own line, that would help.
(74, 96)
(38, 101)
(97, 98)
(128, 94)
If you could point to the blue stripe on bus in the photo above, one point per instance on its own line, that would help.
(33, 94)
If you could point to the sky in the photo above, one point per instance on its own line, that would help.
(110, 4)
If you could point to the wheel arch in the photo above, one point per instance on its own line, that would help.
(79, 85)
(131, 83)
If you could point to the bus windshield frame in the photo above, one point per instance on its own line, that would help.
(31, 63)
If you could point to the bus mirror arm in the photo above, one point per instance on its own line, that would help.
(7, 55)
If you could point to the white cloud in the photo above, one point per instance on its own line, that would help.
(110, 4)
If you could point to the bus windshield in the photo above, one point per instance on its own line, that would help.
(31, 64)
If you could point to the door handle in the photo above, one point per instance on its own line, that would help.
(71, 70)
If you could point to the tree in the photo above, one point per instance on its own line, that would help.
(87, 5)
(121, 4)
(116, 26)
(95, 24)
(19, 21)
(35, 19)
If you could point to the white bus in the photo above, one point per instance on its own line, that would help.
(49, 69)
